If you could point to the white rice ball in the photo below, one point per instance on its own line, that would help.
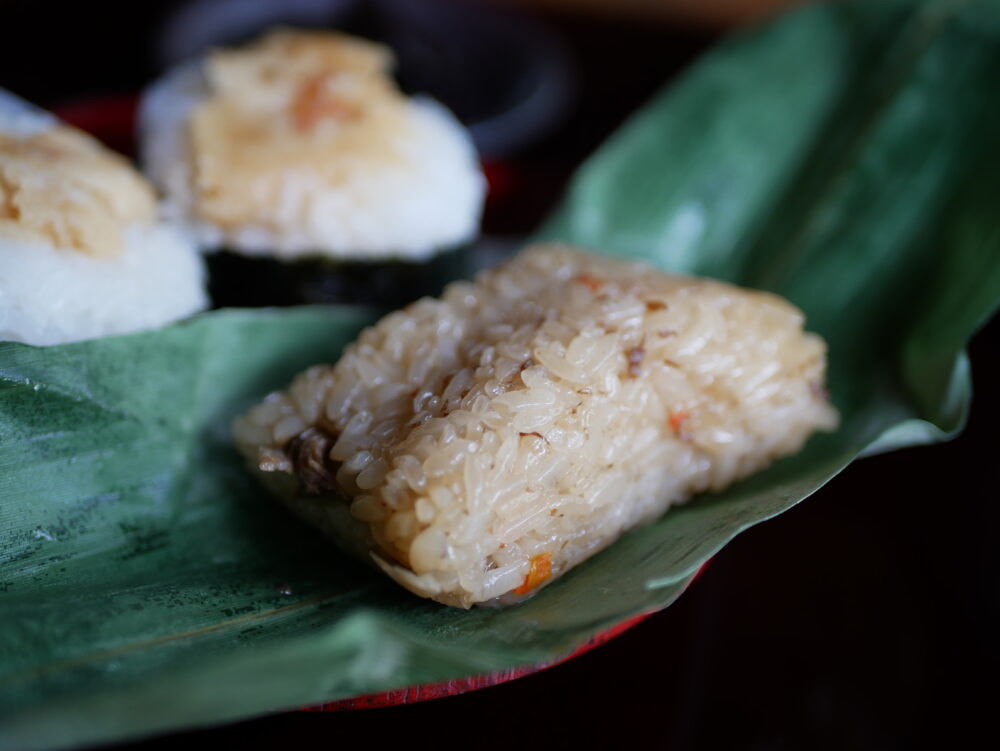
(82, 253)
(300, 146)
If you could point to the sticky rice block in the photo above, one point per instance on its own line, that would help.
(82, 253)
(480, 445)
(300, 145)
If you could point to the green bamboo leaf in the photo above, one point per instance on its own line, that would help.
(842, 156)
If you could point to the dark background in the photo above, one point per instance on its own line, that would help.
(864, 618)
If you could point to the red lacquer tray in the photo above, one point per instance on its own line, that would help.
(427, 691)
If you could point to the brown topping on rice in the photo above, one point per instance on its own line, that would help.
(294, 108)
(62, 187)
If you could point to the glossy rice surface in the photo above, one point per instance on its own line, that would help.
(479, 445)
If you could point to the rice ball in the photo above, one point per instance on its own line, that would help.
(300, 145)
(477, 446)
(82, 252)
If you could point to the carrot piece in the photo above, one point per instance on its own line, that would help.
(540, 571)
(590, 282)
(314, 103)
(677, 420)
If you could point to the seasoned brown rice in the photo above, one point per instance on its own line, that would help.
(480, 445)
